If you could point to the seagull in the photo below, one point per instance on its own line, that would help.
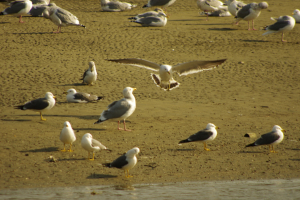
(218, 13)
(120, 110)
(163, 3)
(67, 136)
(37, 10)
(126, 162)
(80, 97)
(18, 8)
(91, 145)
(40, 105)
(60, 17)
(155, 21)
(234, 6)
(274, 137)
(116, 6)
(296, 15)
(165, 78)
(205, 135)
(283, 24)
(250, 12)
(210, 6)
(90, 75)
(148, 14)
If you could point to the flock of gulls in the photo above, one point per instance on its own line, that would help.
(125, 107)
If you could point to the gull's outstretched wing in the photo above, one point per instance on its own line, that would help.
(139, 63)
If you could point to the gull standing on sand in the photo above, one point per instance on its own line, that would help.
(18, 8)
(250, 12)
(80, 97)
(90, 75)
(283, 24)
(234, 6)
(60, 17)
(67, 136)
(154, 21)
(148, 14)
(274, 137)
(91, 145)
(205, 135)
(163, 3)
(120, 110)
(296, 15)
(39, 105)
(210, 6)
(116, 6)
(125, 162)
(165, 78)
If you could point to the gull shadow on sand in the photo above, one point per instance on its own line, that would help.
(251, 152)
(70, 159)
(97, 176)
(47, 149)
(39, 33)
(222, 29)
(93, 117)
(89, 129)
(4, 22)
(16, 120)
(254, 41)
(183, 20)
(295, 159)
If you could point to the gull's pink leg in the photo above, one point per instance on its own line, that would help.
(119, 126)
(282, 40)
(249, 26)
(125, 127)
(20, 19)
(59, 28)
(253, 25)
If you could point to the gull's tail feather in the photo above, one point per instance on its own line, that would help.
(183, 141)
(251, 145)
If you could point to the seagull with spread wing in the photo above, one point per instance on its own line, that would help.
(165, 78)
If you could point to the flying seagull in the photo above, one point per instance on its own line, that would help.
(126, 162)
(39, 105)
(91, 145)
(274, 137)
(205, 135)
(90, 75)
(165, 78)
(120, 110)
(18, 8)
(80, 97)
(67, 136)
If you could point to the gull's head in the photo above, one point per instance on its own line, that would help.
(49, 95)
(277, 128)
(88, 136)
(158, 10)
(128, 91)
(133, 152)
(92, 66)
(166, 69)
(162, 14)
(211, 126)
(67, 124)
(70, 91)
(263, 5)
(296, 12)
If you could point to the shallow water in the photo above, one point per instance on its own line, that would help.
(253, 189)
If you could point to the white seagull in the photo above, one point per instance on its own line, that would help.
(67, 136)
(80, 97)
(274, 137)
(120, 110)
(210, 6)
(148, 14)
(39, 105)
(90, 75)
(154, 21)
(18, 8)
(163, 3)
(116, 6)
(125, 162)
(205, 135)
(165, 78)
(296, 15)
(91, 145)
(234, 6)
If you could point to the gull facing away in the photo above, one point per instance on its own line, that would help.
(155, 21)
(165, 78)
(39, 105)
(163, 3)
(210, 6)
(18, 8)
(120, 110)
(67, 136)
(296, 15)
(60, 17)
(125, 162)
(283, 24)
(90, 75)
(250, 12)
(116, 6)
(274, 137)
(80, 97)
(205, 135)
(234, 6)
(153, 13)
(91, 145)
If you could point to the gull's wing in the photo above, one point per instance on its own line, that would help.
(117, 109)
(196, 66)
(66, 17)
(85, 96)
(279, 25)
(267, 138)
(98, 144)
(245, 11)
(138, 63)
(120, 162)
(200, 136)
(37, 104)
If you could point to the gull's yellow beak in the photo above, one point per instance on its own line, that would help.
(134, 89)
(217, 127)
(283, 130)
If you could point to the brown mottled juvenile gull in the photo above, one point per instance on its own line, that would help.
(67, 136)
(154, 21)
(283, 24)
(205, 135)
(165, 78)
(39, 105)
(116, 6)
(274, 137)
(120, 110)
(90, 75)
(163, 3)
(125, 162)
(80, 97)
(18, 8)
(91, 145)
(61, 17)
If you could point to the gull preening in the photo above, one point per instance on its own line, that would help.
(67, 136)
(155, 21)
(80, 97)
(120, 110)
(165, 78)
(18, 8)
(250, 12)
(90, 75)
(37, 10)
(283, 24)
(205, 135)
(91, 145)
(125, 162)
(272, 138)
(116, 6)
(39, 105)
(60, 17)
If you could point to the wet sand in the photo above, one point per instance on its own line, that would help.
(256, 88)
